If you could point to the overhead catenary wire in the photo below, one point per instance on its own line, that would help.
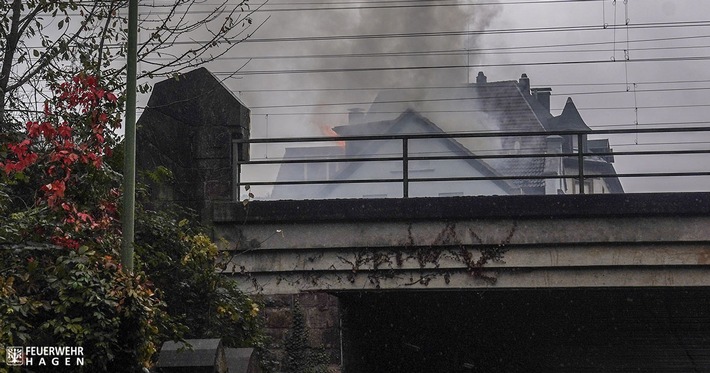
(434, 3)
(461, 87)
(590, 108)
(442, 53)
(485, 50)
(340, 6)
(460, 99)
(550, 29)
(637, 48)
(454, 66)
(544, 84)
(421, 2)
(255, 109)
(404, 2)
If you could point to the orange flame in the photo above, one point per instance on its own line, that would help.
(328, 131)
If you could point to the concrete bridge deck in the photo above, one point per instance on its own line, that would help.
(643, 240)
(595, 283)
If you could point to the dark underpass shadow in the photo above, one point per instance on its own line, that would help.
(558, 330)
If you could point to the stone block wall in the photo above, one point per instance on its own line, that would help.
(322, 316)
(188, 127)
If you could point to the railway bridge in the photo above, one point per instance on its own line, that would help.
(517, 283)
(555, 283)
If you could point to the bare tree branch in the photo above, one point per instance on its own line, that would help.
(92, 37)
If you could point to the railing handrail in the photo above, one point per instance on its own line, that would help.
(344, 159)
(579, 154)
(416, 136)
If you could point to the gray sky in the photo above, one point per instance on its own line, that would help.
(663, 41)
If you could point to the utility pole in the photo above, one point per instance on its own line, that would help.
(129, 160)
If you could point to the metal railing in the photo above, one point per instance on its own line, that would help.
(406, 157)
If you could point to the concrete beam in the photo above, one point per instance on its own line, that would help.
(449, 258)
(296, 236)
(487, 250)
(643, 277)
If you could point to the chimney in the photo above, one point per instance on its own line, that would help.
(481, 78)
(543, 96)
(524, 84)
(355, 116)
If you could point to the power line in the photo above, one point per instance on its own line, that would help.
(297, 7)
(431, 2)
(460, 33)
(457, 66)
(381, 88)
(650, 25)
(574, 93)
(521, 49)
(394, 112)
(447, 99)
(439, 53)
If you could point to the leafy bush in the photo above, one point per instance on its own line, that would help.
(53, 297)
(60, 283)
(60, 280)
(180, 259)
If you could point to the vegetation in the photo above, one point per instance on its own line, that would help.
(60, 282)
(180, 261)
(46, 41)
(300, 357)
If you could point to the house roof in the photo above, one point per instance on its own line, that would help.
(506, 106)
(491, 106)
(601, 146)
(395, 127)
(380, 127)
(503, 106)
(569, 120)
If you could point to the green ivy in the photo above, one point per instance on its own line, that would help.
(300, 357)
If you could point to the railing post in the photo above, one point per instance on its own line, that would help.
(580, 161)
(405, 168)
(236, 171)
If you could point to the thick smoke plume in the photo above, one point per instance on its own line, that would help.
(396, 18)
(422, 17)
(361, 20)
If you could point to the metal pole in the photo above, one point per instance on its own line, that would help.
(580, 161)
(236, 171)
(405, 168)
(129, 160)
